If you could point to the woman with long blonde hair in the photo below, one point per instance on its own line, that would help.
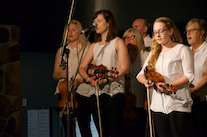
(75, 42)
(174, 61)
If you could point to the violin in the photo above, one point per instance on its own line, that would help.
(129, 113)
(63, 88)
(100, 71)
(156, 78)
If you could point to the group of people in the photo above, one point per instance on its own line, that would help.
(121, 90)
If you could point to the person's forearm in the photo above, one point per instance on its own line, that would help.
(83, 73)
(179, 82)
(56, 75)
(142, 79)
(201, 84)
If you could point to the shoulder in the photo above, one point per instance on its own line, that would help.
(184, 50)
(182, 47)
(58, 51)
(118, 40)
(92, 45)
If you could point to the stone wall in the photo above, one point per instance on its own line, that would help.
(10, 81)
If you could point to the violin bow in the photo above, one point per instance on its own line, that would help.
(98, 107)
(148, 102)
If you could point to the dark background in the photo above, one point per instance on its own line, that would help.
(42, 21)
(41, 24)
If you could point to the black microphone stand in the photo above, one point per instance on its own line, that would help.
(70, 115)
(64, 50)
(67, 105)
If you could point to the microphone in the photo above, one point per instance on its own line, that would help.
(90, 27)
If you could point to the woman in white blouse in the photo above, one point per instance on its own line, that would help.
(174, 61)
(75, 43)
(196, 30)
(110, 51)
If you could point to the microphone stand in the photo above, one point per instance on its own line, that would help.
(66, 33)
(69, 88)
(68, 94)
(71, 94)
(64, 50)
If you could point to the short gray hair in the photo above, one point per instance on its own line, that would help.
(200, 23)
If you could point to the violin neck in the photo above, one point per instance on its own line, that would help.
(93, 71)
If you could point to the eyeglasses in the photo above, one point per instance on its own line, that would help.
(130, 37)
(190, 31)
(160, 32)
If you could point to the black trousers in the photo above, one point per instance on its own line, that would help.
(199, 119)
(111, 109)
(83, 115)
(137, 127)
(175, 124)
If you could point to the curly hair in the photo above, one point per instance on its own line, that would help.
(156, 48)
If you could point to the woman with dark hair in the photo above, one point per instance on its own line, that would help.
(110, 51)
(75, 43)
(196, 31)
(174, 62)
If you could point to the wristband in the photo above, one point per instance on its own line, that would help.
(87, 80)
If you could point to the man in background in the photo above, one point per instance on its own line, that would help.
(143, 25)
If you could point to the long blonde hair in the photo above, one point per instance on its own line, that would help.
(156, 48)
(81, 38)
(138, 36)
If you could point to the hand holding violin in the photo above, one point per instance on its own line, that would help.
(156, 80)
(63, 74)
(160, 86)
(99, 74)
(149, 84)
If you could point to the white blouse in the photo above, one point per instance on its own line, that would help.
(73, 61)
(107, 56)
(200, 64)
(172, 65)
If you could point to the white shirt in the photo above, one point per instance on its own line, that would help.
(109, 58)
(148, 41)
(200, 64)
(172, 65)
(136, 87)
